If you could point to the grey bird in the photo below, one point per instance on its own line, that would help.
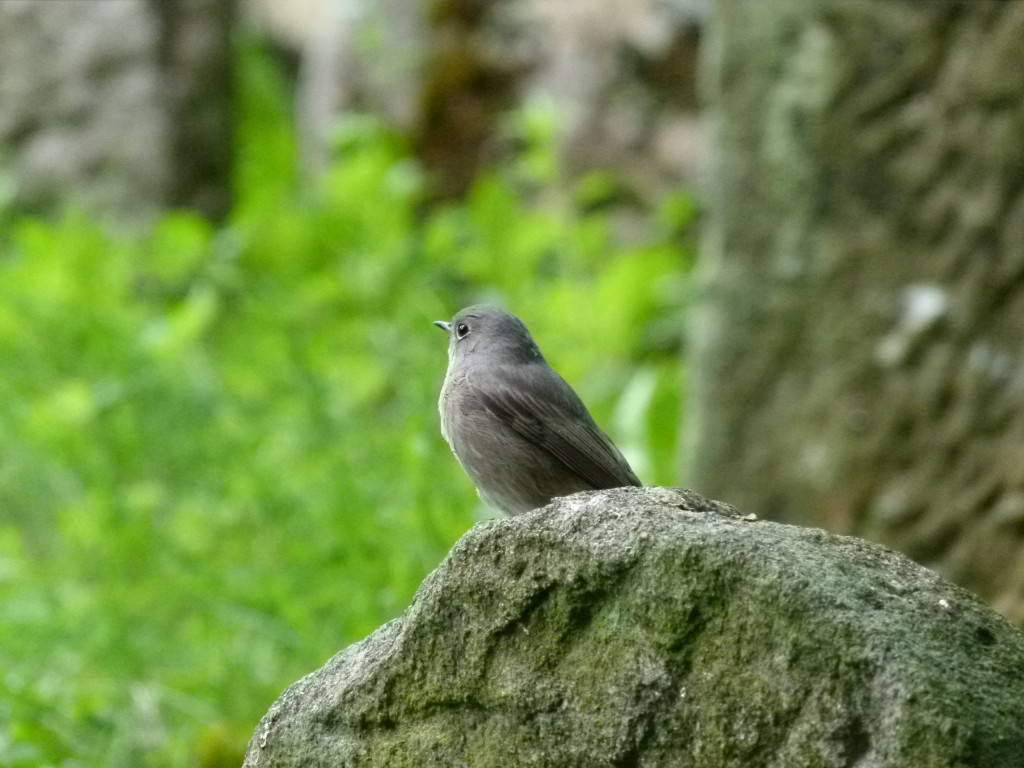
(517, 428)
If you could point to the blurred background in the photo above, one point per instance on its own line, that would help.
(778, 248)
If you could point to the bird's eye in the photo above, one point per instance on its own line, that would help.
(461, 330)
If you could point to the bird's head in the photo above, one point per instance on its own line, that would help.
(484, 332)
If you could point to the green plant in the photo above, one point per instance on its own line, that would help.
(219, 452)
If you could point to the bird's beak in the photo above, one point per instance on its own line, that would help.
(442, 325)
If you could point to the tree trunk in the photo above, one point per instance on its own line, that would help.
(195, 60)
(859, 339)
(119, 107)
(80, 115)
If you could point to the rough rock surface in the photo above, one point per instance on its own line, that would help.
(652, 627)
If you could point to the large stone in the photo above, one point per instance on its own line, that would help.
(652, 627)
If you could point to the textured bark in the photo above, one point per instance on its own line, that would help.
(858, 355)
(651, 627)
(119, 107)
(80, 119)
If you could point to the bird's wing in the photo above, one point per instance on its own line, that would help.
(539, 405)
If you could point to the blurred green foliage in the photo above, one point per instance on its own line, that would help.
(220, 460)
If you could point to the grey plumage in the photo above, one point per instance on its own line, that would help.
(517, 428)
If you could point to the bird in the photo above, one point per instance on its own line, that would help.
(515, 425)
